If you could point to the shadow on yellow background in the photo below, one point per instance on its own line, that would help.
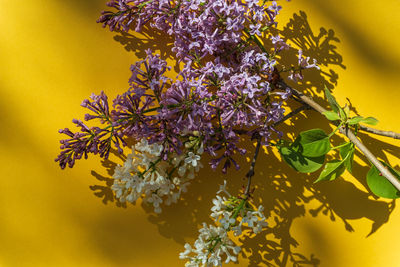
(55, 55)
(283, 192)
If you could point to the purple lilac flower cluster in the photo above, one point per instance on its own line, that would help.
(94, 140)
(226, 88)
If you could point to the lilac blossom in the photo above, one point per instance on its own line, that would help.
(129, 115)
(279, 43)
(213, 245)
(304, 62)
(132, 13)
(144, 175)
(255, 29)
(226, 88)
(90, 140)
(186, 108)
(148, 74)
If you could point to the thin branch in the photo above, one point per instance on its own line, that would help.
(380, 132)
(291, 114)
(346, 131)
(250, 173)
(385, 172)
(390, 134)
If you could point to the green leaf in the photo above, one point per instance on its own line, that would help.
(359, 119)
(332, 170)
(342, 113)
(355, 120)
(335, 168)
(347, 110)
(312, 143)
(332, 116)
(379, 185)
(347, 154)
(370, 121)
(300, 163)
(332, 100)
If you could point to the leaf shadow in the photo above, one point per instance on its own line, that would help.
(103, 190)
(366, 47)
(321, 46)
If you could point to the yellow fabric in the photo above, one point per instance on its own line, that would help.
(53, 55)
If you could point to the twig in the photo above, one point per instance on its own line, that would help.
(380, 132)
(250, 173)
(346, 131)
(291, 114)
(304, 99)
(391, 134)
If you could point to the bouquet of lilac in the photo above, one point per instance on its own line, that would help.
(230, 87)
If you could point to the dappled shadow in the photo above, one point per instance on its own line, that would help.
(350, 204)
(381, 150)
(284, 198)
(286, 194)
(103, 190)
(148, 38)
(180, 221)
(321, 46)
(365, 46)
(289, 195)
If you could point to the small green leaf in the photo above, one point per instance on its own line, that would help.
(349, 161)
(332, 116)
(300, 163)
(347, 110)
(343, 116)
(345, 149)
(332, 101)
(355, 120)
(312, 143)
(332, 170)
(379, 185)
(334, 105)
(370, 121)
(347, 154)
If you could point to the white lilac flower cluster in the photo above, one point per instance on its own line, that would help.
(144, 174)
(210, 245)
(213, 242)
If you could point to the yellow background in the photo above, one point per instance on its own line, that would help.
(53, 55)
